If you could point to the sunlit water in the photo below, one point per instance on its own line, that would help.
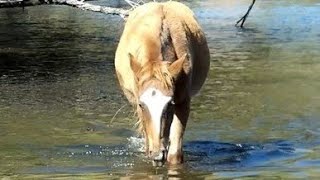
(257, 115)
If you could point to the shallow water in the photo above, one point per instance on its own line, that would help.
(257, 115)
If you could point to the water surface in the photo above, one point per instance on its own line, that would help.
(257, 115)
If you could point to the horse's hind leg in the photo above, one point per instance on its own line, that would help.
(179, 122)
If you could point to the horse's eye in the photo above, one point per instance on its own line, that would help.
(172, 102)
(141, 106)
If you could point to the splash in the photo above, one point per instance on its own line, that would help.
(136, 144)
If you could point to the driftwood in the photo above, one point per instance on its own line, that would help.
(74, 3)
(243, 19)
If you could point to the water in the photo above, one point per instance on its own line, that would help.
(257, 115)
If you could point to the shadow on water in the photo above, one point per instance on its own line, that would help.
(218, 156)
(129, 160)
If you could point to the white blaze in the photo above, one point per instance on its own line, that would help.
(155, 100)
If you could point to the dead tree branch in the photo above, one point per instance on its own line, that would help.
(74, 3)
(132, 3)
(243, 19)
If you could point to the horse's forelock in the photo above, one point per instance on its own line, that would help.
(155, 72)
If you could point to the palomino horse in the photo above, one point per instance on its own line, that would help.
(162, 60)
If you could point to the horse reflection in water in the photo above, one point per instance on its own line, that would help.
(162, 60)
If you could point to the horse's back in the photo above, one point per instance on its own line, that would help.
(198, 47)
(137, 39)
(142, 38)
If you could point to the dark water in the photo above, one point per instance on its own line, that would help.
(257, 116)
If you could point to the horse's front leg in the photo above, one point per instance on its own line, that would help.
(179, 122)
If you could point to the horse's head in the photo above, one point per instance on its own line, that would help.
(155, 95)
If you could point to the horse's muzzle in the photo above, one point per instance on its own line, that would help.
(159, 158)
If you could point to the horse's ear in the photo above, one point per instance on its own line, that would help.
(177, 66)
(135, 66)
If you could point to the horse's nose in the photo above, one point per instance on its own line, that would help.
(159, 158)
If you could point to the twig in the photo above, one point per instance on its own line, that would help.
(132, 3)
(111, 121)
(243, 19)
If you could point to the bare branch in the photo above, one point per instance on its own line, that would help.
(74, 3)
(243, 19)
(132, 3)
(95, 8)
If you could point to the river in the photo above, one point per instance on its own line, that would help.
(62, 114)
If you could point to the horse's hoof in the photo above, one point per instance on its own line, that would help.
(159, 158)
(175, 159)
(156, 163)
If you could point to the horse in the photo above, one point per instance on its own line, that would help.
(162, 60)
